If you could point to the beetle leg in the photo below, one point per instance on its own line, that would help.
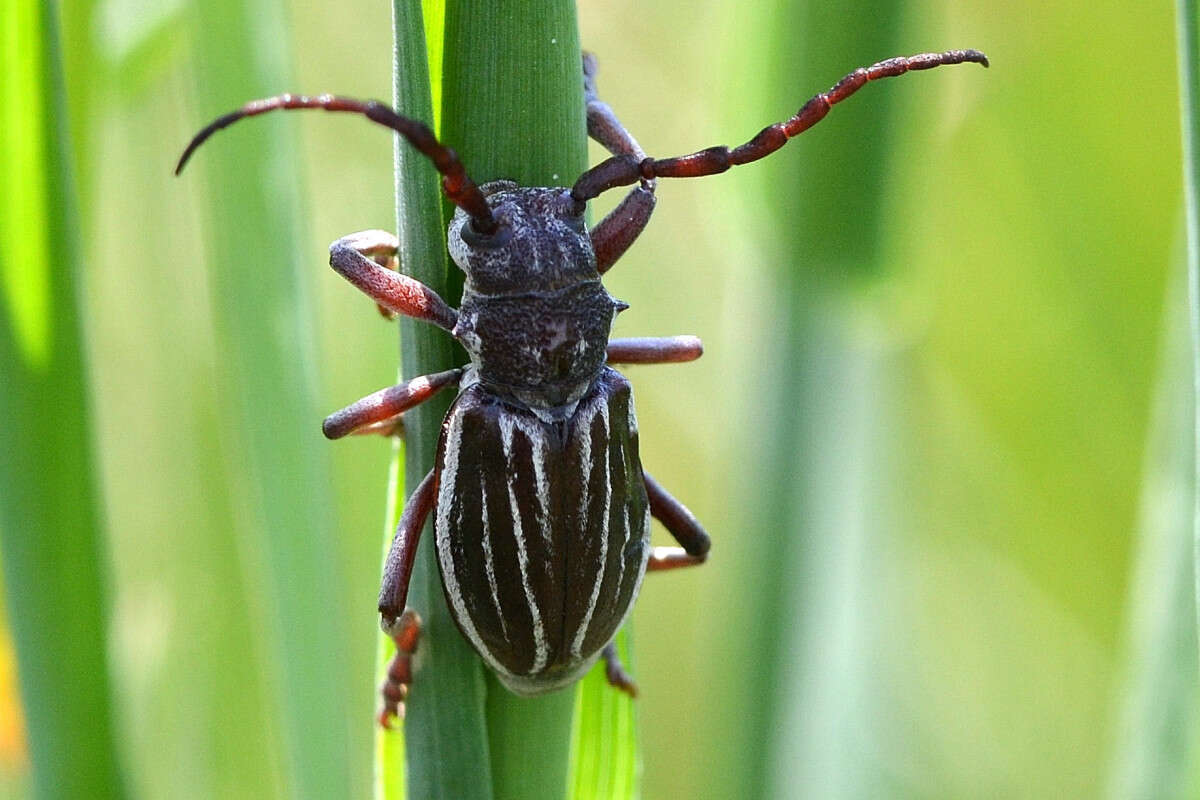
(394, 291)
(380, 412)
(654, 350)
(680, 523)
(613, 235)
(664, 558)
(405, 632)
(615, 672)
(403, 624)
(381, 247)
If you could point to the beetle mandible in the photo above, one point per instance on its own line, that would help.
(541, 507)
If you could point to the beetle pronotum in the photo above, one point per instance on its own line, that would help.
(541, 507)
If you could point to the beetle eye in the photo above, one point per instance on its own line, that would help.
(485, 241)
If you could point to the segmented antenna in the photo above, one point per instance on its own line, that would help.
(624, 170)
(457, 185)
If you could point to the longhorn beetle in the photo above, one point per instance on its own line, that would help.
(541, 506)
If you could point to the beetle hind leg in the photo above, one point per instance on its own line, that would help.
(615, 672)
(681, 524)
(397, 620)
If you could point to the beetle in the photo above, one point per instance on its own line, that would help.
(540, 503)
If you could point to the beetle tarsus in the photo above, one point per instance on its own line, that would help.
(405, 631)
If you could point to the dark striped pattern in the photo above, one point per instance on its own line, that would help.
(542, 530)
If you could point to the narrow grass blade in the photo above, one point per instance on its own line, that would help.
(279, 479)
(54, 558)
(810, 542)
(1189, 91)
(444, 732)
(512, 106)
(604, 759)
(1156, 730)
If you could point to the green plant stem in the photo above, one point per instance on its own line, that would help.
(54, 557)
(512, 107)
(444, 734)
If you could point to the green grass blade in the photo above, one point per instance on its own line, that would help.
(1189, 91)
(818, 435)
(604, 759)
(512, 107)
(389, 772)
(1156, 730)
(444, 727)
(278, 477)
(54, 558)
(503, 123)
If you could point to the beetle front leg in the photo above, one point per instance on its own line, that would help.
(681, 524)
(403, 624)
(381, 247)
(380, 412)
(613, 235)
(394, 291)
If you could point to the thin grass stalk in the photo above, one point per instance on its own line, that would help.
(279, 481)
(53, 552)
(808, 549)
(1189, 94)
(444, 741)
(1155, 729)
(512, 106)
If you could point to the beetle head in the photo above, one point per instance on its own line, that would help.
(540, 245)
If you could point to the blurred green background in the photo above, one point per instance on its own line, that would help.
(940, 434)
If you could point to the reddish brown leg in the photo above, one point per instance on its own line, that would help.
(380, 412)
(613, 235)
(395, 292)
(654, 350)
(617, 677)
(381, 247)
(403, 625)
(680, 523)
(626, 169)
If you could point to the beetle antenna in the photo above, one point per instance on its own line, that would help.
(457, 185)
(623, 170)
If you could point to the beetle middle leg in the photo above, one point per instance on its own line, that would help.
(654, 350)
(613, 235)
(681, 524)
(380, 411)
(397, 621)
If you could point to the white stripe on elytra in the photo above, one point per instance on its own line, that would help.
(489, 562)
(601, 405)
(632, 415)
(541, 647)
(448, 491)
(624, 522)
(537, 439)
